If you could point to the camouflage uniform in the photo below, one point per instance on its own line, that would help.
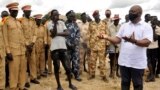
(97, 47)
(83, 43)
(74, 40)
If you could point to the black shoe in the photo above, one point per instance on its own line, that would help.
(59, 88)
(72, 87)
(44, 75)
(35, 81)
(27, 85)
(78, 79)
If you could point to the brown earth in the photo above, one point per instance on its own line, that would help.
(49, 83)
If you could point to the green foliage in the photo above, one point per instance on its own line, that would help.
(78, 15)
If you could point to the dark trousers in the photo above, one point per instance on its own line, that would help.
(152, 58)
(158, 65)
(128, 74)
(60, 55)
(113, 57)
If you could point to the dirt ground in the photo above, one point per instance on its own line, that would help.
(49, 83)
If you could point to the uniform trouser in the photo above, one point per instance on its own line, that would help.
(40, 63)
(31, 59)
(49, 62)
(152, 58)
(75, 60)
(2, 73)
(102, 62)
(60, 55)
(128, 74)
(17, 72)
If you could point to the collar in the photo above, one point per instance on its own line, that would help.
(139, 23)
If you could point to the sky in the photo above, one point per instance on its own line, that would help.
(120, 7)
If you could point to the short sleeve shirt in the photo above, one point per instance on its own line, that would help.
(132, 55)
(58, 42)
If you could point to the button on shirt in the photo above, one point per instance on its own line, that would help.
(132, 55)
(58, 42)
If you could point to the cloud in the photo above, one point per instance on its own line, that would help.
(125, 3)
(5, 2)
(120, 7)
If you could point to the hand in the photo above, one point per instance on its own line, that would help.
(130, 39)
(9, 57)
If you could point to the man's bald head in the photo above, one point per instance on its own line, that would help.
(136, 8)
(135, 13)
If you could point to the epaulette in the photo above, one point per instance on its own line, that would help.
(4, 19)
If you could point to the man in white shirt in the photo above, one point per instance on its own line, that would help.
(134, 37)
(58, 48)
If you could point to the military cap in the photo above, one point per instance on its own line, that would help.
(26, 7)
(13, 6)
(71, 11)
(38, 16)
